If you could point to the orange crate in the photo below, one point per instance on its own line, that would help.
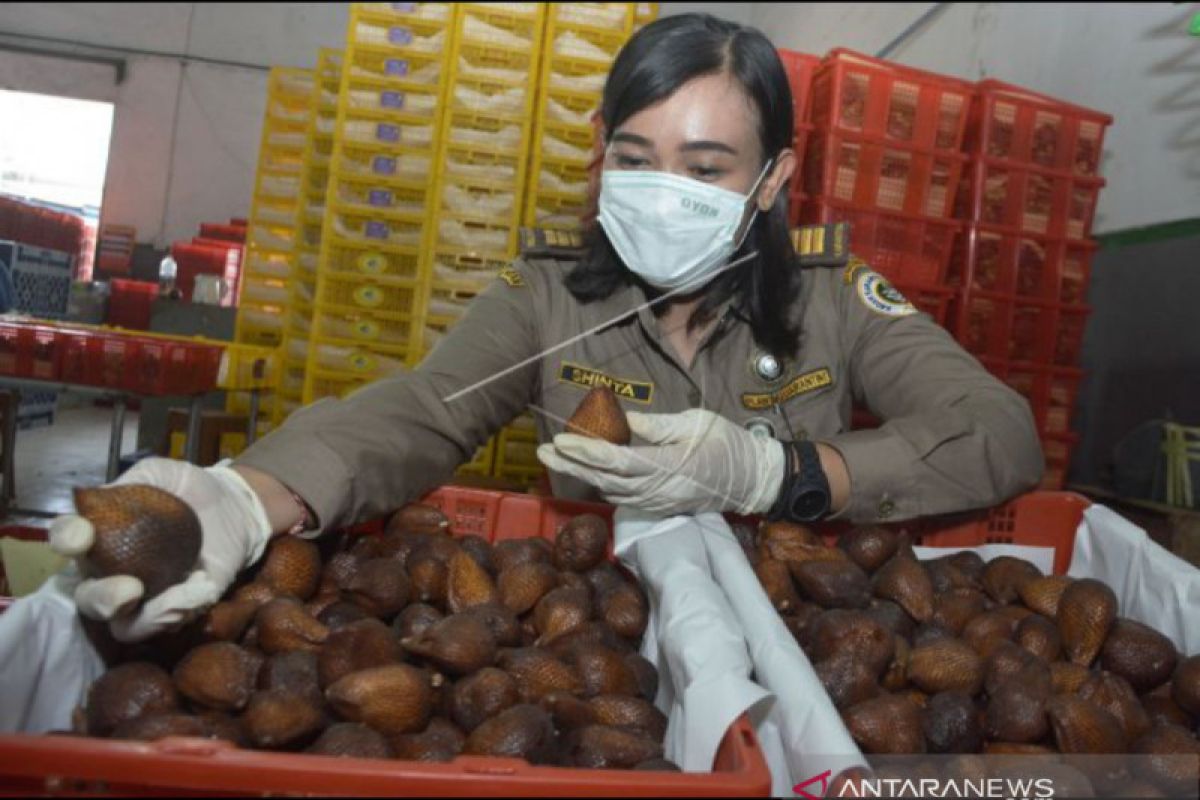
(872, 174)
(933, 300)
(1029, 199)
(800, 68)
(1015, 124)
(991, 259)
(1006, 328)
(857, 93)
(906, 248)
(182, 766)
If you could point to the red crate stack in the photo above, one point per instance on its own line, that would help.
(800, 68)
(131, 303)
(1023, 263)
(885, 154)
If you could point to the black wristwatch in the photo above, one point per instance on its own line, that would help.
(804, 494)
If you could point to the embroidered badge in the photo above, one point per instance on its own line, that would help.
(637, 391)
(877, 294)
(801, 384)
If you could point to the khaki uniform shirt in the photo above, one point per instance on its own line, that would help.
(953, 438)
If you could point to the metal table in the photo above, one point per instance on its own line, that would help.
(120, 400)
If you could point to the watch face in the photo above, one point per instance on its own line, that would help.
(810, 504)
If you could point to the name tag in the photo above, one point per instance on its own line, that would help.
(637, 391)
(802, 384)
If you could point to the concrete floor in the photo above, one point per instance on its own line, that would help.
(53, 459)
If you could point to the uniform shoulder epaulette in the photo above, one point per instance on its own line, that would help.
(822, 245)
(548, 243)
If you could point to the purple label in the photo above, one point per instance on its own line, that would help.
(382, 165)
(391, 99)
(400, 36)
(376, 230)
(380, 197)
(406, 8)
(395, 66)
(387, 133)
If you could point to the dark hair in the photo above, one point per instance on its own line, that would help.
(655, 63)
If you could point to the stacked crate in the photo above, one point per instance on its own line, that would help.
(1024, 259)
(482, 164)
(885, 156)
(272, 234)
(581, 41)
(314, 182)
(800, 68)
(369, 306)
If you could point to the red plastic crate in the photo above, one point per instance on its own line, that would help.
(131, 303)
(871, 173)
(9, 334)
(800, 68)
(228, 233)
(1051, 392)
(74, 349)
(933, 300)
(1058, 451)
(990, 259)
(1005, 328)
(53, 765)
(857, 93)
(38, 353)
(1015, 124)
(1029, 199)
(906, 248)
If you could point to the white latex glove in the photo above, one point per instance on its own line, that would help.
(235, 531)
(697, 461)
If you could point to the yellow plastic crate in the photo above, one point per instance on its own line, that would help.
(516, 29)
(493, 98)
(551, 211)
(354, 260)
(279, 238)
(482, 462)
(259, 327)
(563, 180)
(486, 133)
(445, 306)
(368, 162)
(367, 197)
(354, 361)
(279, 211)
(599, 17)
(394, 65)
(273, 185)
(319, 384)
(434, 12)
(362, 293)
(466, 200)
(245, 367)
(267, 265)
(384, 135)
(523, 428)
(408, 36)
(290, 83)
(365, 330)
(468, 237)
(465, 273)
(567, 112)
(585, 78)
(390, 101)
(479, 167)
(360, 230)
(265, 291)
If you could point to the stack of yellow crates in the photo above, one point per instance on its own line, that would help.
(582, 39)
(580, 42)
(274, 217)
(369, 297)
(314, 182)
(271, 238)
(482, 164)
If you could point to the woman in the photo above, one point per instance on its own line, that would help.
(737, 363)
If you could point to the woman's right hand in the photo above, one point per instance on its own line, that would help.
(235, 529)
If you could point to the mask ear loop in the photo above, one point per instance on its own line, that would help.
(743, 230)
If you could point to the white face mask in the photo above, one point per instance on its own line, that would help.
(673, 231)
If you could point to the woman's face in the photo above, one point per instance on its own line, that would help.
(707, 131)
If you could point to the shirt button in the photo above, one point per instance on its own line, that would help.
(886, 509)
(766, 366)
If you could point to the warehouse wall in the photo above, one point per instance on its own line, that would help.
(186, 133)
(1132, 60)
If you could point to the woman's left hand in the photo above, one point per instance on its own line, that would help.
(696, 461)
